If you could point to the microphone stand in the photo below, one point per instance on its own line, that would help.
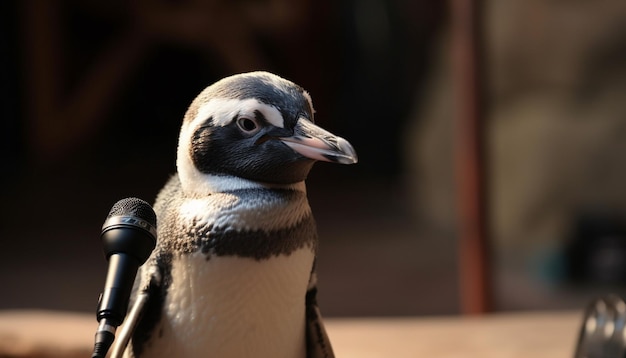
(128, 328)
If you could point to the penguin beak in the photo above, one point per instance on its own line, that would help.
(316, 143)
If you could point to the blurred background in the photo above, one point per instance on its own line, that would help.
(93, 94)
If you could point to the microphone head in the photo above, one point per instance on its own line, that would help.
(133, 207)
(130, 228)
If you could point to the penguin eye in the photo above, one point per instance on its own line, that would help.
(248, 125)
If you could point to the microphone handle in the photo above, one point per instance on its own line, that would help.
(117, 288)
(113, 302)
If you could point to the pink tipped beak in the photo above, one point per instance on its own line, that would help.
(316, 143)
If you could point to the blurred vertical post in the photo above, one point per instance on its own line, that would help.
(474, 258)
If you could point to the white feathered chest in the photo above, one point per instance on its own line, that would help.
(237, 274)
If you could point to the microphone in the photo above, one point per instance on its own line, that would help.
(128, 237)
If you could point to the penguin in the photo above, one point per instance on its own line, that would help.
(233, 272)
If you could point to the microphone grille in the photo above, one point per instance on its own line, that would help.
(134, 207)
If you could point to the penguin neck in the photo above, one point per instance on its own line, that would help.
(199, 184)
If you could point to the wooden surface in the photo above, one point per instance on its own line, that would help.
(537, 335)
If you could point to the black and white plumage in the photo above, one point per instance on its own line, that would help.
(233, 273)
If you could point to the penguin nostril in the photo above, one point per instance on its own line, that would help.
(263, 139)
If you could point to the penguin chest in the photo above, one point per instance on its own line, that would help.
(232, 306)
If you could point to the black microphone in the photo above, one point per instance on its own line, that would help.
(128, 237)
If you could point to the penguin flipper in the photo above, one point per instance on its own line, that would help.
(130, 324)
(317, 341)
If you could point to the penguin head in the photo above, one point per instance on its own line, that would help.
(254, 127)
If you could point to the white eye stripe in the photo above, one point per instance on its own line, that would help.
(224, 110)
(271, 114)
